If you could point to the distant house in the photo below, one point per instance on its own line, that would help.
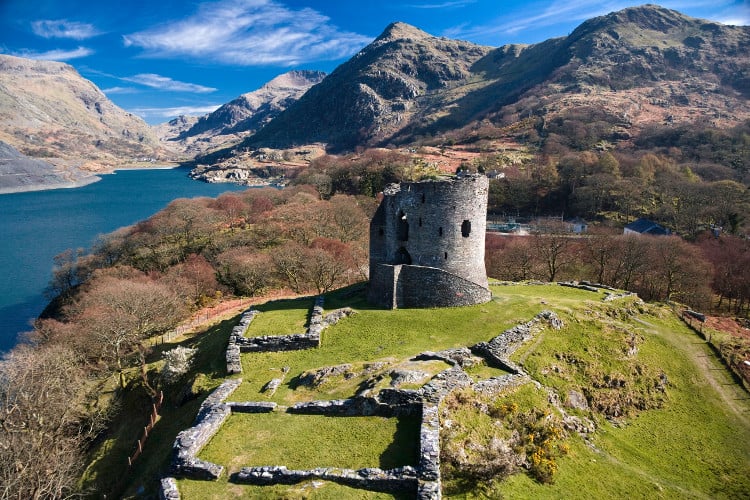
(645, 226)
(577, 225)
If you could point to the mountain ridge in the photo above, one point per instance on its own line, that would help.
(48, 110)
(241, 116)
(408, 83)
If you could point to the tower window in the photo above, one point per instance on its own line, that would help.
(466, 228)
(445, 255)
(403, 227)
(420, 222)
(440, 231)
(403, 257)
(422, 197)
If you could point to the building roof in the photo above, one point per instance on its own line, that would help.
(645, 226)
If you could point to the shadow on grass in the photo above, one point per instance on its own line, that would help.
(177, 413)
(404, 449)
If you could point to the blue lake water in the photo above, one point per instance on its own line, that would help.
(36, 226)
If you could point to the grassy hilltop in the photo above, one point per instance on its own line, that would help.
(670, 422)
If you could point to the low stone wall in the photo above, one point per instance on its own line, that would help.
(168, 489)
(402, 479)
(239, 343)
(252, 407)
(236, 338)
(424, 480)
(211, 416)
(429, 454)
(497, 350)
(392, 404)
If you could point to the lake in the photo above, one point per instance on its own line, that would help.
(36, 226)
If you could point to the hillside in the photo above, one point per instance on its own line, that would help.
(632, 68)
(47, 110)
(376, 92)
(621, 396)
(240, 117)
(21, 173)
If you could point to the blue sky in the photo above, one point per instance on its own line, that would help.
(162, 58)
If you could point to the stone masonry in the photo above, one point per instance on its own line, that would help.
(427, 244)
(238, 342)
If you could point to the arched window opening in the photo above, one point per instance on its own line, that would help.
(422, 197)
(420, 222)
(466, 228)
(440, 231)
(402, 256)
(445, 255)
(403, 227)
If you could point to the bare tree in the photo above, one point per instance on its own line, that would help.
(41, 437)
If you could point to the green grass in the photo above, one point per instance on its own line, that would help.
(310, 441)
(394, 335)
(309, 490)
(693, 446)
(282, 317)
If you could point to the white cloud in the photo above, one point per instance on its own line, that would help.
(441, 5)
(120, 90)
(54, 55)
(558, 12)
(250, 33)
(167, 113)
(62, 28)
(165, 83)
(736, 21)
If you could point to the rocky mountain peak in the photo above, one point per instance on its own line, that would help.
(399, 31)
(298, 79)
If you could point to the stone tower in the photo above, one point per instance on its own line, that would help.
(427, 244)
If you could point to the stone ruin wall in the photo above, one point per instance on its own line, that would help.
(427, 244)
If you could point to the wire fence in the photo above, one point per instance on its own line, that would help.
(153, 416)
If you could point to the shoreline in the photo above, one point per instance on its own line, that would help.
(94, 177)
(49, 187)
(160, 167)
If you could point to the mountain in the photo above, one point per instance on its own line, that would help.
(635, 67)
(242, 116)
(48, 110)
(376, 92)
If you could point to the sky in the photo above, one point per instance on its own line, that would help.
(162, 58)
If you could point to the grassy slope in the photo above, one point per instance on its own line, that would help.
(695, 446)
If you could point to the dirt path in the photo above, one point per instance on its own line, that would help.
(714, 371)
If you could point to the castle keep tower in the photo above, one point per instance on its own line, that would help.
(427, 244)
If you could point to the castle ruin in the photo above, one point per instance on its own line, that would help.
(427, 244)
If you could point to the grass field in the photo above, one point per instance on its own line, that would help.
(688, 441)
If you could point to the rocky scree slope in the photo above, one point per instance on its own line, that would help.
(48, 110)
(20, 173)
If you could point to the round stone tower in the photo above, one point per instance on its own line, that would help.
(427, 244)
